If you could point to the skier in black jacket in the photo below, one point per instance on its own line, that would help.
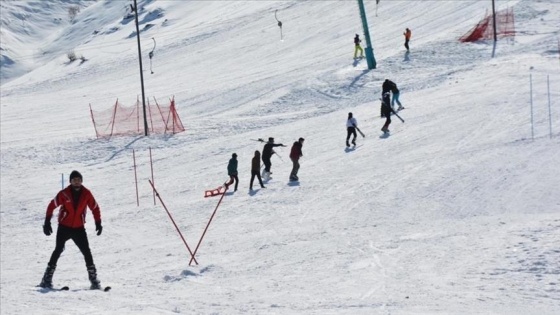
(391, 87)
(267, 153)
(386, 111)
(387, 86)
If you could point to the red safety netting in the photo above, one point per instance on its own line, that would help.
(120, 120)
(505, 27)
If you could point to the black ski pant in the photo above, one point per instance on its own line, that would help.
(258, 175)
(406, 44)
(387, 121)
(267, 163)
(295, 168)
(351, 131)
(79, 236)
(233, 178)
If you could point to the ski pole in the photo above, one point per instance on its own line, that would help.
(398, 116)
(360, 132)
(402, 120)
(279, 157)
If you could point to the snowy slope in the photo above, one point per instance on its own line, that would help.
(457, 212)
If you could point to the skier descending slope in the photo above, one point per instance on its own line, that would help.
(73, 201)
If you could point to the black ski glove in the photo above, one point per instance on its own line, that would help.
(47, 228)
(98, 227)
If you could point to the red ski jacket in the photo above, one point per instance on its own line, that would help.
(67, 215)
(296, 153)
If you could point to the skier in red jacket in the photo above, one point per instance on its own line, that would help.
(72, 201)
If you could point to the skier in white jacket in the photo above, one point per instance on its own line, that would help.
(351, 125)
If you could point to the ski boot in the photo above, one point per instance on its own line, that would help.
(46, 282)
(92, 274)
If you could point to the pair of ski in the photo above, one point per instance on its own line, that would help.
(67, 288)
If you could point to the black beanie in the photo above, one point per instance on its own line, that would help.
(75, 174)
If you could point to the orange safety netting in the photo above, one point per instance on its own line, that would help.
(120, 120)
(505, 27)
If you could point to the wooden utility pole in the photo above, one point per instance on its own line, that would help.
(135, 9)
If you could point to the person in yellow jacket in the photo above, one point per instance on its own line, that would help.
(357, 42)
(407, 34)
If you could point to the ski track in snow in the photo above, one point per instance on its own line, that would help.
(456, 211)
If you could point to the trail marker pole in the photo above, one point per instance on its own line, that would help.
(152, 167)
(207, 225)
(135, 178)
(176, 227)
(549, 107)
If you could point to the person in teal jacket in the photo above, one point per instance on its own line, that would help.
(232, 171)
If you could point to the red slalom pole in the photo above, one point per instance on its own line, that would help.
(207, 225)
(177, 228)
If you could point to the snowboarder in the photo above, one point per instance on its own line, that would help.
(232, 171)
(351, 125)
(357, 46)
(386, 111)
(255, 169)
(295, 154)
(73, 201)
(267, 153)
(407, 34)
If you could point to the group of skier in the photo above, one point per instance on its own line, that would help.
(387, 109)
(75, 198)
(358, 48)
(267, 152)
(387, 104)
